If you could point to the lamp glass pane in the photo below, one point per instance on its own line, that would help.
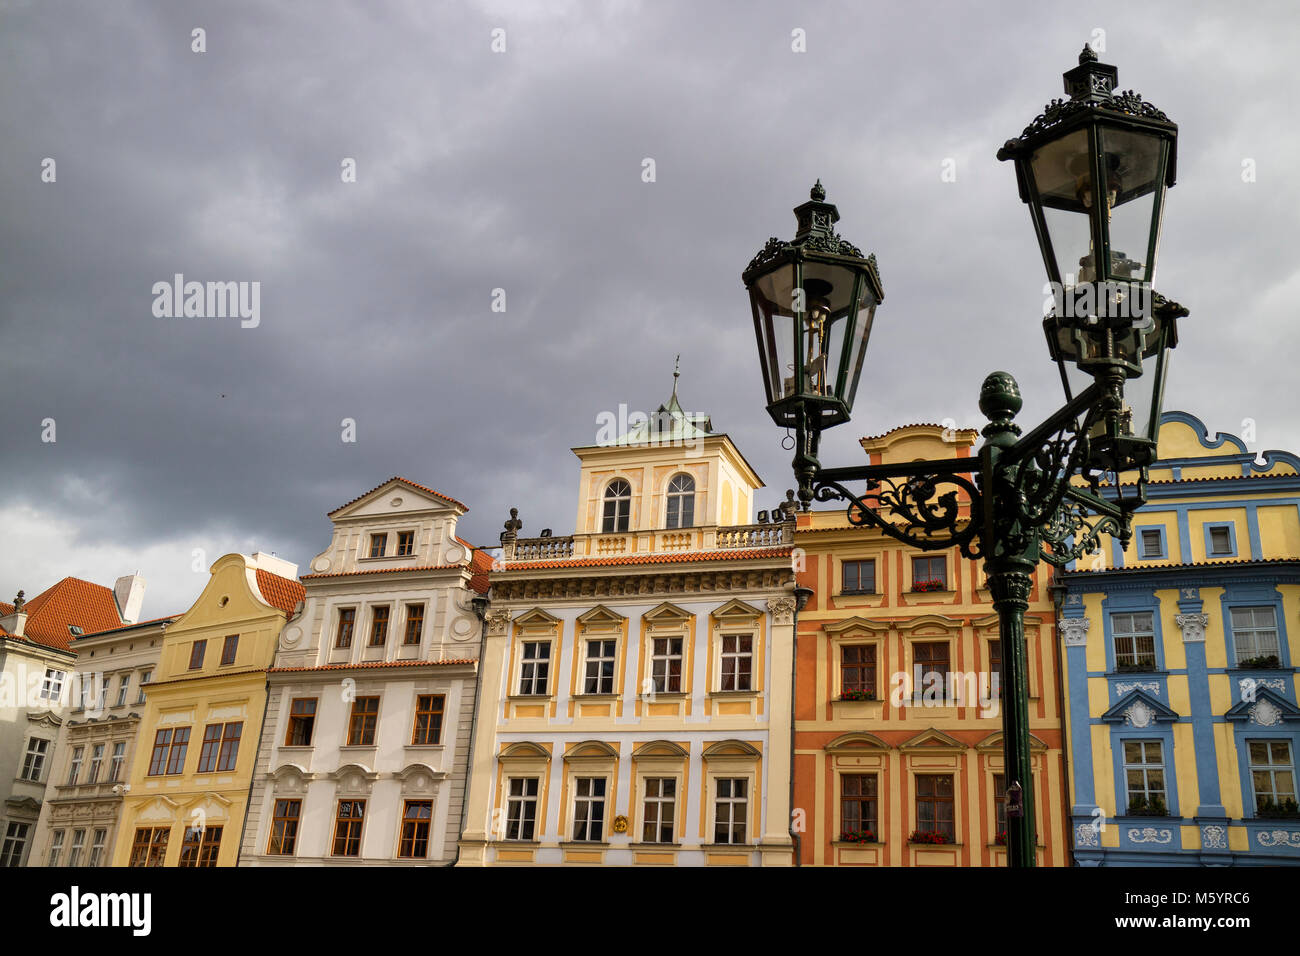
(858, 347)
(1062, 176)
(1132, 164)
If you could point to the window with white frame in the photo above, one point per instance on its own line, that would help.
(600, 667)
(737, 661)
(34, 761)
(1144, 775)
(618, 507)
(74, 766)
(116, 761)
(15, 842)
(681, 502)
(98, 840)
(77, 848)
(666, 664)
(124, 683)
(96, 762)
(1272, 774)
(730, 809)
(589, 809)
(1135, 639)
(659, 810)
(56, 848)
(145, 677)
(52, 685)
(534, 667)
(1254, 633)
(521, 808)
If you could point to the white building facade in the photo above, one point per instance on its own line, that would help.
(364, 754)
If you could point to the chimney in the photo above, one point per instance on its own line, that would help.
(269, 562)
(15, 622)
(129, 594)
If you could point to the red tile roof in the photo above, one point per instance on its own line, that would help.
(72, 601)
(369, 665)
(280, 592)
(480, 565)
(654, 557)
(405, 481)
(350, 574)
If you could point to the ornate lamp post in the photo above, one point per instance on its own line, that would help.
(1025, 498)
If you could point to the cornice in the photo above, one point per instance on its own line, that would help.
(582, 584)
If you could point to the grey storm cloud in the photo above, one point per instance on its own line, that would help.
(521, 170)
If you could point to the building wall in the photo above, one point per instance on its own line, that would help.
(1188, 693)
(897, 737)
(231, 603)
(91, 804)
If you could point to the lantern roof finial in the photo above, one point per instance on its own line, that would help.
(1087, 55)
(818, 192)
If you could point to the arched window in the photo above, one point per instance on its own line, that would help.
(681, 502)
(618, 506)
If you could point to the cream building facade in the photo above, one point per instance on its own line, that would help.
(636, 677)
(371, 696)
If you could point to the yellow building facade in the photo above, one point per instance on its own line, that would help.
(187, 790)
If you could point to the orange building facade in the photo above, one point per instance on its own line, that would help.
(898, 725)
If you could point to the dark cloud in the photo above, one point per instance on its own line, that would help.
(522, 171)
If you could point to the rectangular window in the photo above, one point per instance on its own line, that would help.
(200, 846)
(930, 574)
(521, 808)
(589, 809)
(284, 827)
(995, 670)
(56, 848)
(660, 809)
(858, 577)
(197, 650)
(1254, 634)
(858, 803)
(405, 543)
(124, 684)
(1272, 774)
(666, 664)
(229, 755)
(858, 670)
(414, 623)
(1151, 545)
(999, 807)
(379, 626)
(932, 658)
(934, 805)
(11, 852)
(116, 761)
(169, 748)
(97, 844)
(428, 720)
(1144, 775)
(414, 844)
(228, 648)
(34, 761)
(600, 668)
(1220, 540)
(74, 766)
(361, 724)
(302, 721)
(1135, 640)
(208, 752)
(347, 827)
(77, 848)
(378, 545)
(737, 661)
(729, 810)
(535, 667)
(145, 677)
(347, 618)
(149, 847)
(52, 685)
(96, 762)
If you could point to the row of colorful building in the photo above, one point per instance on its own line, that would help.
(647, 689)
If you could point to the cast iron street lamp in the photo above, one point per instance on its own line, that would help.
(1093, 170)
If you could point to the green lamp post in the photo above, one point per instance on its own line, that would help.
(1030, 497)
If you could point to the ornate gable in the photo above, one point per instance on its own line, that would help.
(1138, 709)
(932, 740)
(1264, 709)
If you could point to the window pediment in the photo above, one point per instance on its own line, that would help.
(855, 623)
(354, 778)
(536, 617)
(993, 743)
(591, 749)
(730, 748)
(934, 741)
(601, 618)
(418, 777)
(666, 614)
(736, 611)
(934, 621)
(856, 742)
(524, 750)
(661, 748)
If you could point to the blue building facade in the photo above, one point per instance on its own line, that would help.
(1179, 665)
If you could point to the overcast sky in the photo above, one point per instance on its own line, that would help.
(522, 170)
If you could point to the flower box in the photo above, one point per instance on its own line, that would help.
(1141, 807)
(1001, 838)
(935, 837)
(933, 584)
(857, 695)
(1269, 662)
(1287, 809)
(858, 836)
